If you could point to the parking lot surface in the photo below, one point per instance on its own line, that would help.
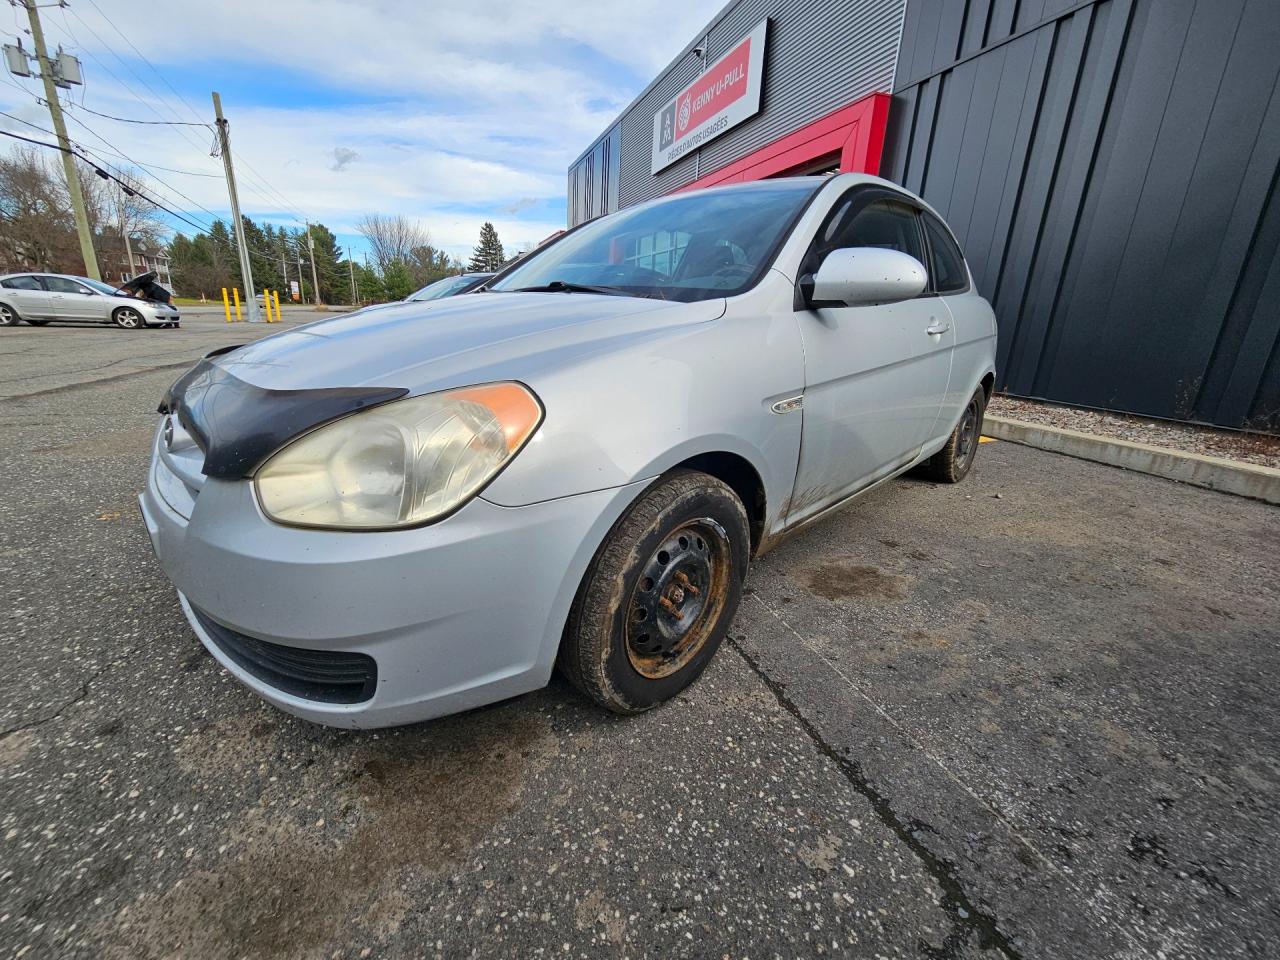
(1031, 715)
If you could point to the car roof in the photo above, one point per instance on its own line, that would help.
(44, 273)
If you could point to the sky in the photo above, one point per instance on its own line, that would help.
(448, 113)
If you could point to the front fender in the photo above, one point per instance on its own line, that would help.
(630, 415)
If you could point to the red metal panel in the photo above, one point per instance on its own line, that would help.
(856, 132)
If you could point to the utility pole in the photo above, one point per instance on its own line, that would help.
(351, 266)
(47, 75)
(246, 269)
(311, 248)
(128, 245)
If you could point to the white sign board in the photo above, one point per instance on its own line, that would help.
(723, 95)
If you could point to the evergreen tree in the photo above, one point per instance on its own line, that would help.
(396, 281)
(335, 284)
(488, 255)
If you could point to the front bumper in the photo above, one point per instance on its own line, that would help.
(462, 613)
(156, 314)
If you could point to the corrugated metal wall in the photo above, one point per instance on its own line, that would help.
(1110, 168)
(820, 56)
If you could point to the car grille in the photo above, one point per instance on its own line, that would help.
(179, 468)
(326, 676)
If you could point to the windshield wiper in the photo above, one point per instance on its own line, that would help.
(564, 286)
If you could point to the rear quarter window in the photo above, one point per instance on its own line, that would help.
(949, 273)
(22, 283)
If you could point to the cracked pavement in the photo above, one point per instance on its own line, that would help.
(1031, 715)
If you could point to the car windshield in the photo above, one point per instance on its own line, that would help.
(694, 246)
(441, 288)
(98, 285)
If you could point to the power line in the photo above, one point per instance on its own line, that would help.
(103, 173)
(134, 187)
(146, 166)
(182, 131)
(142, 57)
(157, 123)
(266, 184)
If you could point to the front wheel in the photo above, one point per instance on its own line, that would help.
(660, 594)
(952, 463)
(128, 318)
(8, 316)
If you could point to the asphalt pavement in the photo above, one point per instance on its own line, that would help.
(1030, 715)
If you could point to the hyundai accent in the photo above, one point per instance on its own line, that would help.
(388, 516)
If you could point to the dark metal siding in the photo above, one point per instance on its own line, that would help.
(1110, 169)
(820, 56)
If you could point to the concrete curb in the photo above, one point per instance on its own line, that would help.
(1213, 473)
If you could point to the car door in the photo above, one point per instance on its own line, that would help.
(27, 295)
(970, 321)
(875, 376)
(74, 301)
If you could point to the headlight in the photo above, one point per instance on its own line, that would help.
(401, 464)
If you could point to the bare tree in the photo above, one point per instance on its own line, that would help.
(126, 218)
(36, 229)
(392, 239)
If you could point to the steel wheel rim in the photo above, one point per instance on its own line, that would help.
(967, 442)
(678, 598)
(128, 319)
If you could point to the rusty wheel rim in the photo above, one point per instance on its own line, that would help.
(678, 598)
(967, 442)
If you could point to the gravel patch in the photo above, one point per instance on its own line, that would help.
(1261, 449)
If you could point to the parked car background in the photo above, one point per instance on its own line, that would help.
(41, 298)
(449, 287)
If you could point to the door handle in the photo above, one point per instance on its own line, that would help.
(937, 328)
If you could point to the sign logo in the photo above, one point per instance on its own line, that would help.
(723, 96)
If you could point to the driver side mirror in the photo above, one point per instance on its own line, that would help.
(862, 277)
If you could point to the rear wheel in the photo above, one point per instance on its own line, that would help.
(660, 594)
(128, 318)
(8, 316)
(952, 463)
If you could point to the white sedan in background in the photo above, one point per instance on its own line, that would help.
(41, 298)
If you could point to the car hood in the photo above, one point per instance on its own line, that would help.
(415, 344)
(243, 403)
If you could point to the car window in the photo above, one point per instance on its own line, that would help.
(63, 285)
(883, 224)
(690, 246)
(853, 222)
(102, 287)
(22, 283)
(949, 274)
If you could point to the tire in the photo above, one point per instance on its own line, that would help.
(9, 316)
(952, 463)
(128, 318)
(660, 594)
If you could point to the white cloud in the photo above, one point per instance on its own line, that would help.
(473, 110)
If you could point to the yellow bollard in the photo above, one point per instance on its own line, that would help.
(236, 293)
(275, 294)
(226, 304)
(266, 303)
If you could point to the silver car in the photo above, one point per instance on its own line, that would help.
(39, 298)
(448, 287)
(380, 518)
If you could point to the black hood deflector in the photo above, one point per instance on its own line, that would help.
(239, 425)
